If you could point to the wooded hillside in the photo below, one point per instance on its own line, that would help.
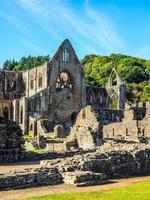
(134, 71)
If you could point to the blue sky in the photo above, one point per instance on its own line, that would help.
(37, 27)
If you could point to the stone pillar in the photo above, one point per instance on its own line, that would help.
(25, 124)
(16, 110)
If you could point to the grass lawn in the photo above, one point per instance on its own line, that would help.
(140, 191)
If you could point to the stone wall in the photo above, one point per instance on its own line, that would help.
(87, 131)
(112, 159)
(130, 128)
(11, 143)
(30, 178)
(56, 147)
(11, 85)
(35, 79)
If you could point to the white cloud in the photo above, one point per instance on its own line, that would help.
(14, 20)
(60, 19)
(33, 47)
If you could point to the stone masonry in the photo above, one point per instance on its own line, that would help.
(56, 92)
(87, 131)
(11, 142)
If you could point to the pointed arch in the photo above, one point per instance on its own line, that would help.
(114, 79)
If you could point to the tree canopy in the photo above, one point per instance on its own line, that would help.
(25, 63)
(134, 71)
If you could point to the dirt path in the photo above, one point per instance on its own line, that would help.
(24, 193)
(4, 168)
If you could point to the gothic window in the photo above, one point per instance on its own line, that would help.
(91, 99)
(99, 99)
(40, 80)
(64, 81)
(12, 84)
(65, 56)
(32, 83)
(114, 79)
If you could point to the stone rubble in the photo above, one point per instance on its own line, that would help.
(112, 160)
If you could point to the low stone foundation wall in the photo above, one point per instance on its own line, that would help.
(30, 178)
(108, 161)
(113, 160)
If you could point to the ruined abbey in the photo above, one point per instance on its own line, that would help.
(88, 134)
(46, 100)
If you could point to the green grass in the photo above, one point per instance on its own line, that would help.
(140, 191)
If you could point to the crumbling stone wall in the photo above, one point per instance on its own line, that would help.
(87, 131)
(29, 178)
(130, 128)
(11, 142)
(111, 159)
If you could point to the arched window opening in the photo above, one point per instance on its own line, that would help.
(114, 79)
(65, 56)
(40, 80)
(21, 115)
(91, 99)
(64, 81)
(32, 83)
(99, 99)
(5, 113)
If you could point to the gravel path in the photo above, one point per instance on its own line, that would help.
(31, 192)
